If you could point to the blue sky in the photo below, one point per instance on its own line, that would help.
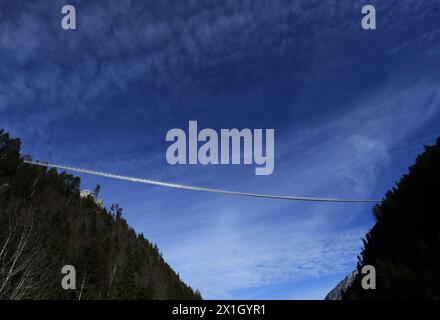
(351, 109)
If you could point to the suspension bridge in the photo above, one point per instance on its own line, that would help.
(197, 188)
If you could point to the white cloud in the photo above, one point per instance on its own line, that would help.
(226, 245)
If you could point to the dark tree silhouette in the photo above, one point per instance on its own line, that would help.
(45, 224)
(404, 244)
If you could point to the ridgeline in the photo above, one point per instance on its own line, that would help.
(404, 244)
(46, 224)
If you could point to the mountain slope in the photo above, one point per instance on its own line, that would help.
(45, 225)
(337, 292)
(404, 244)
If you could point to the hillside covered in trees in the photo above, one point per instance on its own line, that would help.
(404, 243)
(45, 224)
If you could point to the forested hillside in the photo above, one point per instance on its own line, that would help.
(404, 244)
(45, 224)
